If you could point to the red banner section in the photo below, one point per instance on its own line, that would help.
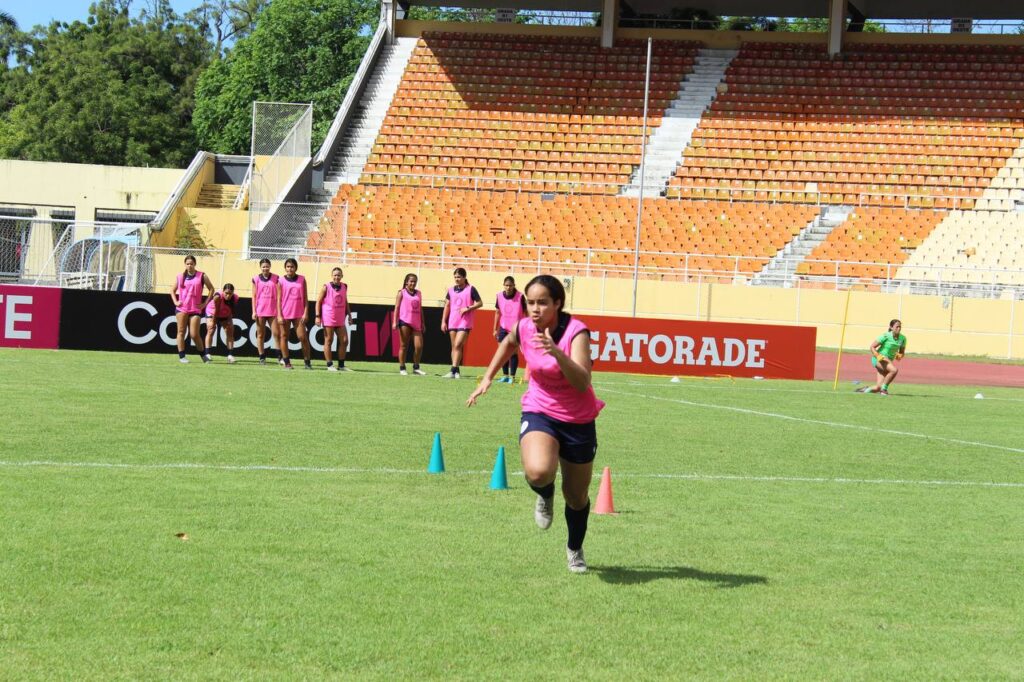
(29, 317)
(675, 347)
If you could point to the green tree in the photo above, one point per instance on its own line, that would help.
(300, 51)
(227, 20)
(112, 90)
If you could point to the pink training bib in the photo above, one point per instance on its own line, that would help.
(190, 293)
(225, 310)
(549, 392)
(510, 310)
(293, 297)
(264, 295)
(332, 310)
(410, 310)
(459, 300)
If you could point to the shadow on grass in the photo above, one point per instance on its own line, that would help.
(629, 575)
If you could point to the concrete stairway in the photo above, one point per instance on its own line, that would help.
(781, 268)
(665, 147)
(217, 196)
(348, 162)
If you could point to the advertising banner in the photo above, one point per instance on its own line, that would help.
(131, 322)
(676, 347)
(29, 316)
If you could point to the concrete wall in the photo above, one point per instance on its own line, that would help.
(954, 326)
(86, 187)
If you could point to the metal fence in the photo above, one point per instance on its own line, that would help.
(420, 255)
(281, 140)
(65, 253)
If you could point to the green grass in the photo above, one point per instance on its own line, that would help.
(780, 549)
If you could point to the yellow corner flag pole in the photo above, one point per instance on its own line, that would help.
(842, 337)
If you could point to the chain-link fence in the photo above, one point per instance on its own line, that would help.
(58, 252)
(281, 141)
(290, 228)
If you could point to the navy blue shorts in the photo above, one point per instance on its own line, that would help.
(406, 324)
(577, 443)
(460, 329)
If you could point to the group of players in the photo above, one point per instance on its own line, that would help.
(279, 304)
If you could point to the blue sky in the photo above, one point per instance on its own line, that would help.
(29, 13)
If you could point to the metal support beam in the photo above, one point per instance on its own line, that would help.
(609, 20)
(388, 9)
(836, 26)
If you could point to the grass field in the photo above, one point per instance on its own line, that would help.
(767, 529)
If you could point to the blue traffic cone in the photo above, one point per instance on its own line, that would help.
(436, 457)
(499, 479)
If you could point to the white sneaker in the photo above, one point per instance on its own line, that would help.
(577, 564)
(345, 369)
(419, 372)
(207, 360)
(403, 372)
(542, 512)
(450, 375)
(332, 368)
(183, 361)
(231, 359)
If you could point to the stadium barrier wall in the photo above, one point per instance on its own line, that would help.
(136, 322)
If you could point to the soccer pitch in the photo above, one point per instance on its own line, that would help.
(766, 529)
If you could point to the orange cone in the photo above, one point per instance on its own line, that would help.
(605, 504)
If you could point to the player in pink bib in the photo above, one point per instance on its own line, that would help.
(332, 314)
(292, 311)
(408, 320)
(511, 306)
(461, 301)
(264, 308)
(220, 314)
(559, 408)
(189, 303)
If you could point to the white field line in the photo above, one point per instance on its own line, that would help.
(689, 383)
(818, 422)
(242, 468)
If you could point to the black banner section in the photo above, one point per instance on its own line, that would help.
(130, 322)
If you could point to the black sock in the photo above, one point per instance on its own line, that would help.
(181, 354)
(329, 363)
(341, 363)
(308, 363)
(576, 520)
(401, 368)
(547, 491)
(415, 366)
(263, 356)
(455, 370)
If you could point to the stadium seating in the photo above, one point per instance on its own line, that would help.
(731, 239)
(870, 242)
(974, 247)
(924, 126)
(539, 113)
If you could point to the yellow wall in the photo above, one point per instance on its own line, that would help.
(933, 324)
(86, 187)
(221, 228)
(168, 236)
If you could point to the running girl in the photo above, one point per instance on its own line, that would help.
(187, 296)
(220, 313)
(408, 320)
(292, 311)
(559, 408)
(264, 306)
(511, 308)
(460, 302)
(332, 314)
(885, 351)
